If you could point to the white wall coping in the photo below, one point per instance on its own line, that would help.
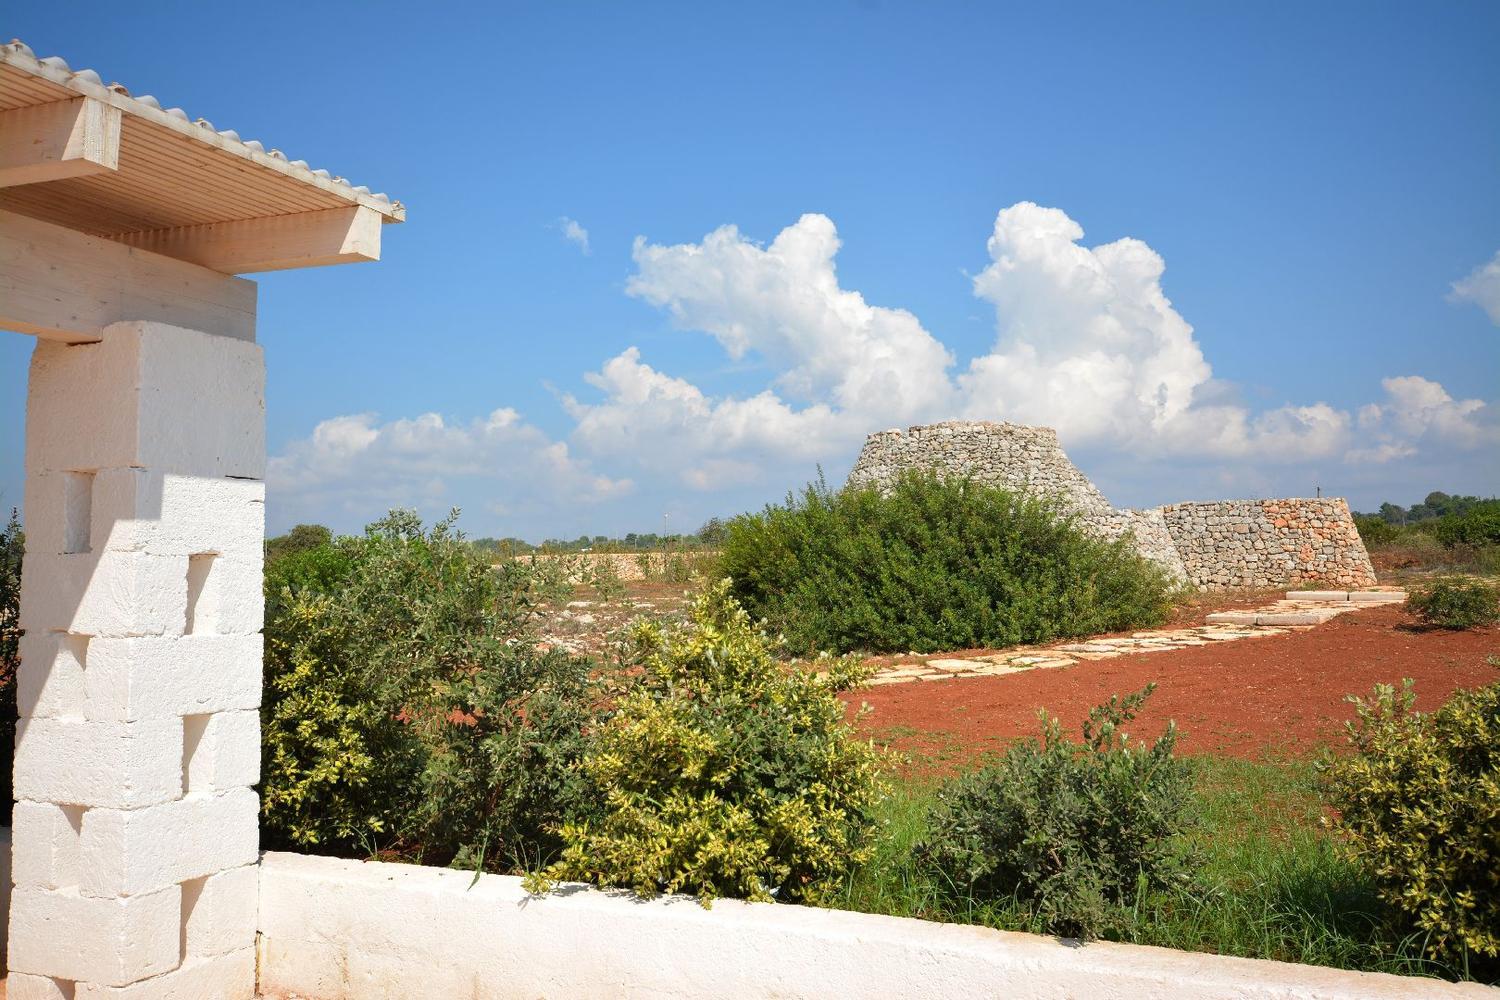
(333, 928)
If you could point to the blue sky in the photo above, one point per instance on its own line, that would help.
(1299, 188)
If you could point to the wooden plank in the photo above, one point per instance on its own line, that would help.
(274, 243)
(64, 285)
(58, 140)
(214, 154)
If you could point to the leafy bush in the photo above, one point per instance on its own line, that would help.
(406, 707)
(1479, 526)
(1456, 603)
(723, 772)
(1073, 831)
(1418, 803)
(937, 564)
(1376, 531)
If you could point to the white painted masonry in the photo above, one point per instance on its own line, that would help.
(136, 827)
(349, 930)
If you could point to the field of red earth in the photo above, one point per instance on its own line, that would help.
(1282, 695)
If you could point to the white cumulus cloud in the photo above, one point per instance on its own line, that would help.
(1086, 340)
(1418, 414)
(1482, 287)
(355, 465)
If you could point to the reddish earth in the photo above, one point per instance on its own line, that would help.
(1283, 694)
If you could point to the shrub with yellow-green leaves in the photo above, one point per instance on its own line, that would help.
(1418, 802)
(407, 709)
(723, 772)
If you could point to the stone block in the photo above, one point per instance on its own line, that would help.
(221, 751)
(104, 593)
(1317, 595)
(1232, 618)
(163, 513)
(148, 395)
(131, 851)
(158, 676)
(50, 679)
(220, 912)
(20, 986)
(112, 765)
(113, 942)
(222, 977)
(232, 597)
(44, 845)
(1377, 596)
(1315, 617)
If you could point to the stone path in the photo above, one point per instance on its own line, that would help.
(1300, 610)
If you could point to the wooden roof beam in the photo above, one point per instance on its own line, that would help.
(57, 140)
(273, 243)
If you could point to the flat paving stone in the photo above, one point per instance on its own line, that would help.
(1301, 609)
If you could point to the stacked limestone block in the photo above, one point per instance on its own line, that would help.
(1013, 457)
(1269, 543)
(135, 831)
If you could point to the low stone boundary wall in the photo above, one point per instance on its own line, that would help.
(346, 929)
(1269, 543)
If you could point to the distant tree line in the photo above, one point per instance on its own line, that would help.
(309, 536)
(1436, 505)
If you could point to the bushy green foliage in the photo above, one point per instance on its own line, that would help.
(937, 564)
(12, 548)
(1376, 531)
(301, 538)
(723, 772)
(406, 706)
(1418, 803)
(1478, 526)
(1456, 603)
(1071, 831)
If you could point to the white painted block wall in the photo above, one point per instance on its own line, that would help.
(135, 834)
(350, 930)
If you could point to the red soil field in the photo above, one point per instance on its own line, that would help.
(1247, 698)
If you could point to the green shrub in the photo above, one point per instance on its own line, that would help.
(406, 708)
(1376, 531)
(1074, 832)
(1479, 526)
(12, 548)
(1456, 603)
(1418, 804)
(937, 564)
(723, 772)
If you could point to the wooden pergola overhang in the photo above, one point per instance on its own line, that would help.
(155, 206)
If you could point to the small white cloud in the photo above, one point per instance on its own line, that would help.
(575, 234)
(1481, 287)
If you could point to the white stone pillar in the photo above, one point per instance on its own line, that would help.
(135, 831)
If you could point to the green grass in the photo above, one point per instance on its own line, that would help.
(1271, 884)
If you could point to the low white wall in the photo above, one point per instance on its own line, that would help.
(336, 929)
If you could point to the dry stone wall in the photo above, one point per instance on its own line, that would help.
(1269, 543)
(1229, 543)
